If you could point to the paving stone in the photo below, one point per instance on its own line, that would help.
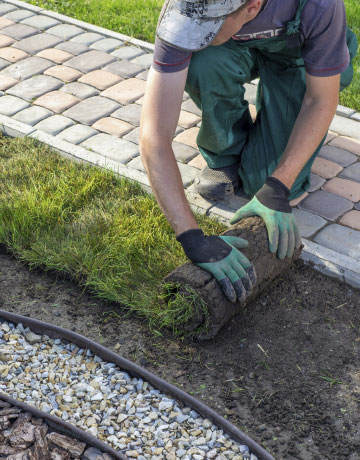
(77, 134)
(101, 79)
(187, 119)
(125, 69)
(35, 87)
(339, 156)
(352, 172)
(33, 115)
(144, 60)
(6, 82)
(343, 187)
(113, 148)
(90, 110)
(19, 31)
(41, 22)
(27, 68)
(107, 45)
(189, 106)
(127, 91)
(5, 41)
(128, 52)
(73, 48)
(325, 204)
(198, 162)
(54, 125)
(89, 61)
(9, 105)
(325, 168)
(133, 136)
(66, 74)
(188, 137)
(298, 200)
(184, 153)
(55, 55)
(356, 116)
(6, 8)
(57, 101)
(19, 15)
(113, 126)
(351, 219)
(341, 239)
(346, 143)
(80, 90)
(65, 31)
(315, 182)
(36, 43)
(3, 64)
(12, 54)
(253, 112)
(129, 113)
(87, 38)
(188, 174)
(197, 202)
(136, 163)
(143, 75)
(5, 22)
(308, 223)
(329, 137)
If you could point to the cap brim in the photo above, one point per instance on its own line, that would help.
(188, 33)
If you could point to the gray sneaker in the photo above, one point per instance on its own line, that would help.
(219, 183)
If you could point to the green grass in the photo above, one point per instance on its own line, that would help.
(105, 232)
(350, 97)
(138, 18)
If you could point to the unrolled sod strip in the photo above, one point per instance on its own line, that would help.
(213, 310)
(112, 399)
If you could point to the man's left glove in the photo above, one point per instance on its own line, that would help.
(271, 203)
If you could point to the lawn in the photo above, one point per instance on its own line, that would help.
(138, 18)
(103, 231)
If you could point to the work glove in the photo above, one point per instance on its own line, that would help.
(220, 256)
(272, 204)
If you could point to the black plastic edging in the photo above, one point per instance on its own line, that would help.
(137, 371)
(65, 428)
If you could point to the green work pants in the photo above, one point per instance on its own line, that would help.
(228, 135)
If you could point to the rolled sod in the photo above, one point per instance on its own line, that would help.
(211, 309)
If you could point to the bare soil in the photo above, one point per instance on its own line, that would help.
(286, 370)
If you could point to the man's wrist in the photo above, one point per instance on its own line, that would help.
(274, 195)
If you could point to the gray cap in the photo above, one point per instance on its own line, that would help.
(192, 24)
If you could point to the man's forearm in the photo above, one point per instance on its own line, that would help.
(310, 128)
(165, 180)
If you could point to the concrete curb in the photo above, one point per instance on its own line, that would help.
(332, 263)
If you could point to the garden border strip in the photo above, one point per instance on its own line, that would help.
(342, 111)
(135, 370)
(65, 428)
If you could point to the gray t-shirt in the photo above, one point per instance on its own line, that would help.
(323, 29)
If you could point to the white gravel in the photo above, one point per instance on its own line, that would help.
(98, 397)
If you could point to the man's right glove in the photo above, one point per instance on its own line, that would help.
(220, 256)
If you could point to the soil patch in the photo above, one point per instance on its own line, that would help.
(286, 370)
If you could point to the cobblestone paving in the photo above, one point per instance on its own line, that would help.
(85, 85)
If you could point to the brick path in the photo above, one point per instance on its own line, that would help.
(79, 88)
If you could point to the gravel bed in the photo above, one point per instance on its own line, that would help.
(24, 437)
(98, 397)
